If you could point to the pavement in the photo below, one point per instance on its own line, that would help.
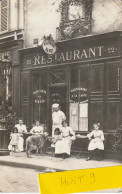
(53, 163)
(15, 179)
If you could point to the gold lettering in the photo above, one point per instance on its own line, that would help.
(84, 54)
(68, 55)
(55, 57)
(92, 51)
(49, 59)
(62, 57)
(36, 60)
(43, 60)
(76, 54)
(100, 50)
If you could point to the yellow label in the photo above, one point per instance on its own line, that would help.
(81, 180)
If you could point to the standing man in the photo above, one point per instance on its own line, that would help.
(21, 129)
(57, 117)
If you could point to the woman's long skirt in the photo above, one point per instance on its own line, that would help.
(63, 146)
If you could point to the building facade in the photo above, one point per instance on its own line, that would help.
(84, 75)
(11, 40)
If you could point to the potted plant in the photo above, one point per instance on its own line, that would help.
(117, 146)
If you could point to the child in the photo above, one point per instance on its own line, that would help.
(14, 140)
(96, 145)
(57, 136)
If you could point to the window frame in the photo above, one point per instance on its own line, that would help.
(8, 16)
(79, 69)
(118, 76)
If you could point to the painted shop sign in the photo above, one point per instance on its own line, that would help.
(75, 55)
(49, 47)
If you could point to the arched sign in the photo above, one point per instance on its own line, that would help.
(49, 46)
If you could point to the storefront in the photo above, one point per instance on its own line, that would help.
(9, 87)
(84, 76)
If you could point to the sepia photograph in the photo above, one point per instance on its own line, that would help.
(60, 89)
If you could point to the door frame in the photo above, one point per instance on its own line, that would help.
(49, 113)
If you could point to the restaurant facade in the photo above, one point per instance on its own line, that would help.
(84, 76)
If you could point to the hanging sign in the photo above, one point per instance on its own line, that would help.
(49, 46)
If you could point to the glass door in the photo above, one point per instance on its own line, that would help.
(40, 97)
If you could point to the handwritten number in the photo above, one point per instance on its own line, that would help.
(93, 178)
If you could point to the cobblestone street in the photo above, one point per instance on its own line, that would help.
(18, 180)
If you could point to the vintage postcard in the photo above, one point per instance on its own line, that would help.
(60, 89)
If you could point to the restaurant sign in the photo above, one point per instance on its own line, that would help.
(70, 56)
(67, 56)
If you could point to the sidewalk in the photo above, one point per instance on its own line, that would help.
(49, 162)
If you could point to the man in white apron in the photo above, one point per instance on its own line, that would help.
(57, 117)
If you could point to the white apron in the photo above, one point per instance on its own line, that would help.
(97, 142)
(21, 129)
(63, 146)
(21, 144)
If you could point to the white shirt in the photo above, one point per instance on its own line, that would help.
(58, 117)
(98, 135)
(37, 130)
(21, 128)
(66, 131)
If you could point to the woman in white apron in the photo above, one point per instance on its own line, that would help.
(63, 146)
(21, 129)
(96, 144)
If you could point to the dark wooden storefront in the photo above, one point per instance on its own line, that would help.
(10, 85)
(85, 73)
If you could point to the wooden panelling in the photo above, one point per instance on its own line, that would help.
(96, 113)
(16, 90)
(26, 108)
(97, 80)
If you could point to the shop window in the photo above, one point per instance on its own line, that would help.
(112, 115)
(74, 99)
(3, 15)
(96, 113)
(79, 99)
(97, 78)
(113, 76)
(40, 97)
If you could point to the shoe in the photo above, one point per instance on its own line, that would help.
(64, 156)
(88, 159)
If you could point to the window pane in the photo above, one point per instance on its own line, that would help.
(112, 77)
(40, 96)
(74, 109)
(74, 86)
(97, 78)
(83, 106)
(83, 84)
(57, 77)
(75, 12)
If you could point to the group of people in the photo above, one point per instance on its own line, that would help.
(62, 135)
(16, 137)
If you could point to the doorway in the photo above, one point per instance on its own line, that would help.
(58, 94)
